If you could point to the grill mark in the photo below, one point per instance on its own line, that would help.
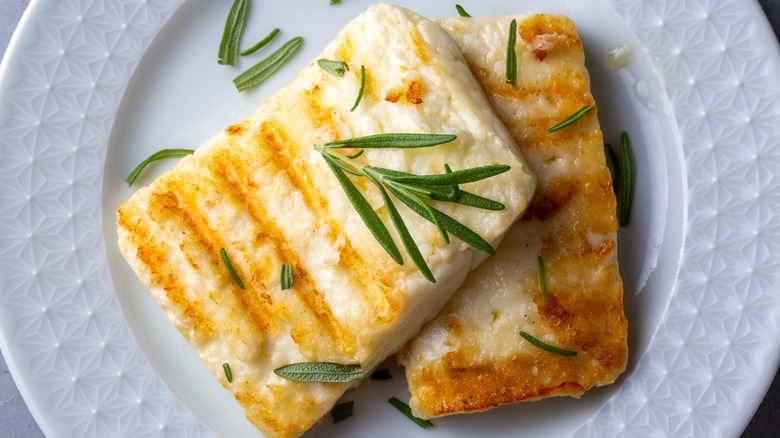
(153, 257)
(178, 199)
(227, 166)
(375, 287)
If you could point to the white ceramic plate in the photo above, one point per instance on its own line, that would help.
(89, 88)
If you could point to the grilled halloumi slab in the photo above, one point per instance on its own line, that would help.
(471, 357)
(261, 191)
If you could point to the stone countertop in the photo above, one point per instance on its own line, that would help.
(17, 422)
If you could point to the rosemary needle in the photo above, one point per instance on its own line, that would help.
(572, 118)
(327, 372)
(406, 410)
(229, 267)
(342, 411)
(263, 69)
(628, 179)
(547, 347)
(287, 277)
(542, 278)
(260, 44)
(511, 56)
(228, 372)
(336, 68)
(362, 87)
(159, 155)
(462, 12)
(231, 35)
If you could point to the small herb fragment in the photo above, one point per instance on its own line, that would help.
(628, 179)
(406, 410)
(336, 68)
(614, 166)
(228, 372)
(335, 2)
(362, 87)
(320, 372)
(260, 44)
(547, 347)
(342, 411)
(511, 56)
(542, 279)
(572, 118)
(383, 374)
(462, 12)
(263, 69)
(231, 36)
(229, 266)
(287, 277)
(159, 155)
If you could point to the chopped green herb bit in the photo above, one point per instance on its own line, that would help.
(547, 347)
(327, 372)
(572, 118)
(265, 68)
(228, 372)
(260, 44)
(406, 410)
(336, 68)
(229, 266)
(159, 155)
(462, 12)
(335, 2)
(287, 277)
(511, 56)
(342, 411)
(231, 36)
(542, 279)
(628, 179)
(383, 374)
(362, 87)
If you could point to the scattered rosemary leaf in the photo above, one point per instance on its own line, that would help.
(614, 166)
(229, 266)
(231, 36)
(383, 374)
(342, 411)
(228, 372)
(572, 118)
(260, 44)
(462, 12)
(392, 140)
(362, 87)
(406, 410)
(336, 68)
(628, 179)
(542, 279)
(263, 69)
(327, 372)
(511, 56)
(159, 155)
(287, 277)
(547, 347)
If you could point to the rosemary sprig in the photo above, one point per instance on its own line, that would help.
(511, 56)
(542, 278)
(572, 118)
(287, 277)
(159, 155)
(412, 190)
(342, 411)
(462, 12)
(547, 347)
(228, 372)
(627, 179)
(231, 36)
(263, 69)
(262, 43)
(406, 410)
(229, 267)
(327, 372)
(336, 68)
(362, 87)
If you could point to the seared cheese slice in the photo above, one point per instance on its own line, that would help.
(471, 357)
(263, 193)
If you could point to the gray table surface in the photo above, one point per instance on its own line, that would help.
(17, 422)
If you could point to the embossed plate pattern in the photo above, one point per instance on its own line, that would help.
(705, 360)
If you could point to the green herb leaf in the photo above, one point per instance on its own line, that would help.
(572, 118)
(231, 36)
(326, 372)
(335, 2)
(472, 200)
(362, 87)
(406, 410)
(342, 411)
(547, 347)
(263, 69)
(462, 12)
(365, 211)
(614, 166)
(392, 141)
(228, 372)
(159, 155)
(452, 178)
(262, 43)
(287, 277)
(383, 374)
(511, 55)
(336, 68)
(542, 278)
(356, 154)
(229, 266)
(628, 179)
